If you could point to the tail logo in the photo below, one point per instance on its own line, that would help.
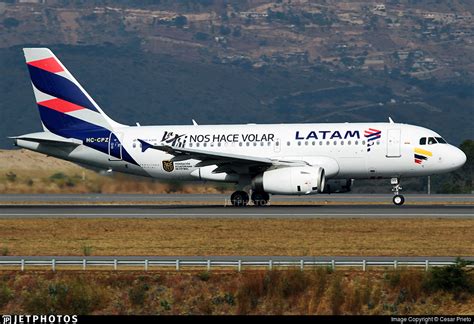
(372, 134)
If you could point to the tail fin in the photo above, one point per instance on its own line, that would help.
(66, 109)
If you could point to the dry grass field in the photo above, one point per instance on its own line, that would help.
(23, 171)
(288, 292)
(299, 237)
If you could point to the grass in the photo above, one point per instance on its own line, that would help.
(322, 237)
(225, 292)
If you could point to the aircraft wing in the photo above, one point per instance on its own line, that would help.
(218, 158)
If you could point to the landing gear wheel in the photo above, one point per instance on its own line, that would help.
(239, 199)
(396, 188)
(260, 198)
(398, 200)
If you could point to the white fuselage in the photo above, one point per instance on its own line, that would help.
(344, 150)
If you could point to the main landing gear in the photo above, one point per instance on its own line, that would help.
(260, 198)
(241, 198)
(396, 188)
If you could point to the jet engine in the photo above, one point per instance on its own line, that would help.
(291, 181)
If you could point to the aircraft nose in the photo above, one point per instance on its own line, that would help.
(457, 158)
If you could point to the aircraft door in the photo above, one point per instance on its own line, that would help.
(277, 145)
(393, 143)
(115, 147)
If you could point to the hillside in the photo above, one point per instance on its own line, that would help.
(253, 61)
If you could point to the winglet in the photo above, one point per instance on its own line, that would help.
(145, 145)
(390, 120)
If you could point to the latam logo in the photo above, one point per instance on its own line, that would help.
(421, 155)
(372, 134)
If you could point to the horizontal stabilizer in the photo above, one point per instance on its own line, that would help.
(48, 138)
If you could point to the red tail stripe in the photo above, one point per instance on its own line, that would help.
(60, 105)
(49, 64)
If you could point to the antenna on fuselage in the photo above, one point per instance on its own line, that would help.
(194, 122)
(390, 120)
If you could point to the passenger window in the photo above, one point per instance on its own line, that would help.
(423, 141)
(431, 141)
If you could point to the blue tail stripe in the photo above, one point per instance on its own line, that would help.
(59, 121)
(59, 87)
(72, 127)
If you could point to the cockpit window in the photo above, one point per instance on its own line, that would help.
(423, 141)
(431, 140)
(441, 140)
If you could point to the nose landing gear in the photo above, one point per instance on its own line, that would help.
(396, 188)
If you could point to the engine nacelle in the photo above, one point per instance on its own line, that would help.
(338, 185)
(291, 181)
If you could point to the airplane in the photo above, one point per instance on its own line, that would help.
(261, 159)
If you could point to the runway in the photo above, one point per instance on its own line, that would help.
(218, 206)
(218, 211)
(223, 198)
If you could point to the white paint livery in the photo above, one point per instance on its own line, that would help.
(264, 159)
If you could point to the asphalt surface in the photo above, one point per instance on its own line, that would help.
(218, 206)
(223, 198)
(206, 211)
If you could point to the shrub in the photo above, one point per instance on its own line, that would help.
(292, 283)
(165, 305)
(11, 176)
(228, 298)
(5, 294)
(86, 250)
(4, 251)
(138, 294)
(76, 297)
(58, 176)
(393, 278)
(452, 278)
(204, 276)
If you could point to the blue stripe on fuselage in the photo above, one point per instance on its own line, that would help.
(59, 87)
(71, 127)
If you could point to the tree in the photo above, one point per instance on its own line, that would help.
(224, 30)
(461, 180)
(10, 22)
(180, 21)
